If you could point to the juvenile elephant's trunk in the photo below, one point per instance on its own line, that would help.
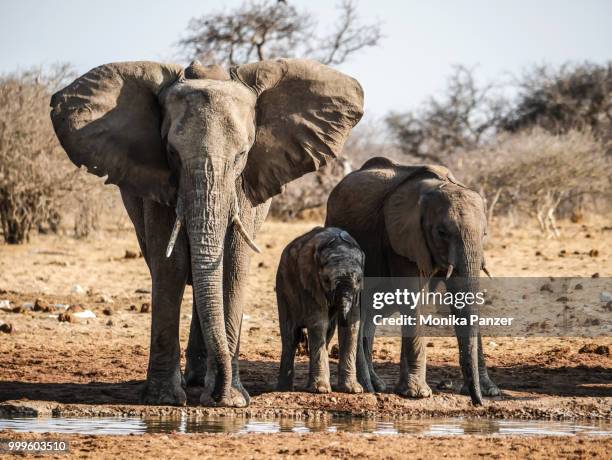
(343, 298)
(206, 207)
(466, 260)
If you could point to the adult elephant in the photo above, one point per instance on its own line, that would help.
(197, 155)
(415, 221)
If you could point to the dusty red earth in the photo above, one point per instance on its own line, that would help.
(95, 366)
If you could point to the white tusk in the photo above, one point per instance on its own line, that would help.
(244, 234)
(484, 269)
(173, 236)
(450, 271)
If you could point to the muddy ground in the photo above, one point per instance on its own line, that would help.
(95, 366)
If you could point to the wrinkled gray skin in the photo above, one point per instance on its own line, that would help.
(182, 147)
(415, 221)
(208, 250)
(317, 286)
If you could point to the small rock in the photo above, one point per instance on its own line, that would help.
(130, 254)
(133, 307)
(106, 298)
(609, 306)
(538, 253)
(125, 326)
(546, 287)
(595, 275)
(605, 296)
(40, 305)
(18, 310)
(334, 353)
(142, 291)
(430, 344)
(28, 305)
(578, 287)
(108, 311)
(7, 328)
(75, 308)
(593, 348)
(446, 384)
(145, 308)
(110, 322)
(261, 265)
(593, 253)
(5, 305)
(65, 318)
(562, 299)
(491, 344)
(78, 289)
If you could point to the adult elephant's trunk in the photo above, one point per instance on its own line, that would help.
(466, 259)
(207, 204)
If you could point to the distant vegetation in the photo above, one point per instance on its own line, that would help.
(543, 152)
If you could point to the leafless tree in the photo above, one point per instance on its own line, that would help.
(461, 120)
(34, 172)
(565, 98)
(536, 172)
(268, 29)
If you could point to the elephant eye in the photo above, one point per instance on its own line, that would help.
(442, 233)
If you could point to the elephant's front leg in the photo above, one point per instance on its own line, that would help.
(348, 335)
(236, 261)
(318, 375)
(164, 383)
(413, 364)
(487, 386)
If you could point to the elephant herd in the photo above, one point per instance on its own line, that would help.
(198, 153)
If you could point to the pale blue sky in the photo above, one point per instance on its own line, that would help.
(423, 38)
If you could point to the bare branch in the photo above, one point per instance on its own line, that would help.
(269, 29)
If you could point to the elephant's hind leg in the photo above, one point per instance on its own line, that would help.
(164, 383)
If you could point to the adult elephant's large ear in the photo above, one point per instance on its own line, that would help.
(402, 213)
(305, 111)
(109, 120)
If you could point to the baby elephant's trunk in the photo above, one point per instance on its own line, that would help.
(344, 296)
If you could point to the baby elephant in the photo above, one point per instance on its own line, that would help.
(318, 285)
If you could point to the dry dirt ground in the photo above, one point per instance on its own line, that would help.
(95, 366)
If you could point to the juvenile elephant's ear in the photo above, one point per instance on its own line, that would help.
(305, 111)
(109, 120)
(402, 212)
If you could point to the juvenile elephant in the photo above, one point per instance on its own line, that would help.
(317, 285)
(415, 221)
(197, 154)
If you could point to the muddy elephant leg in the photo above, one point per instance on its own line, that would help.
(412, 381)
(365, 371)
(487, 386)
(348, 336)
(318, 375)
(165, 383)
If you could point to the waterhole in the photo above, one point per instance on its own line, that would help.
(425, 427)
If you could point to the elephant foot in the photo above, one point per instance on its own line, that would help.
(414, 387)
(487, 387)
(234, 399)
(378, 384)
(284, 385)
(194, 378)
(237, 385)
(159, 392)
(320, 386)
(350, 386)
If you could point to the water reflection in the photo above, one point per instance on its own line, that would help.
(426, 427)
